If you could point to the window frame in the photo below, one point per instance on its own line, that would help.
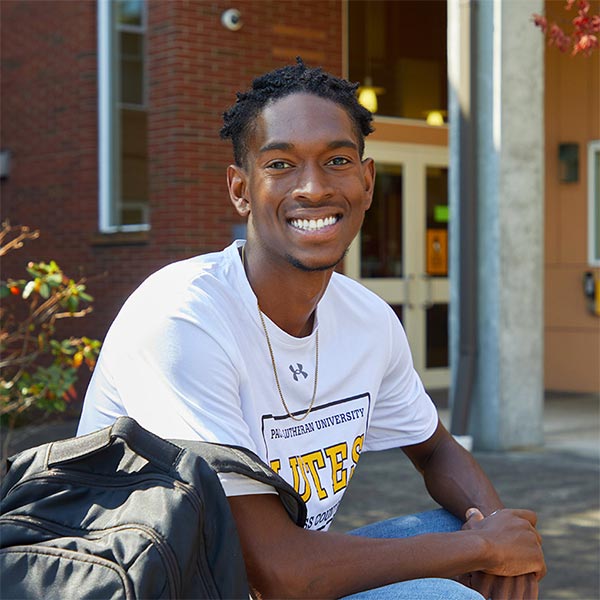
(593, 204)
(109, 197)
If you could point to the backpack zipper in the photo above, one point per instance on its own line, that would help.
(99, 481)
(162, 546)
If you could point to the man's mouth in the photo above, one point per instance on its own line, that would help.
(314, 224)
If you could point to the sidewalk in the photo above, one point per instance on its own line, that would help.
(560, 481)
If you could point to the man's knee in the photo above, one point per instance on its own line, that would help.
(434, 521)
(447, 589)
(420, 589)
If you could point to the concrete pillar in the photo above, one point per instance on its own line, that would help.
(502, 108)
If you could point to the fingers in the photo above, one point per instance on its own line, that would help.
(482, 582)
(474, 513)
(514, 587)
(517, 548)
(539, 575)
(517, 542)
(531, 587)
(527, 515)
(523, 513)
(523, 587)
(520, 513)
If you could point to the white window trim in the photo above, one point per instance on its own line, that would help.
(106, 175)
(141, 29)
(593, 206)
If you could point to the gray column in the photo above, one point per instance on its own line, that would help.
(496, 73)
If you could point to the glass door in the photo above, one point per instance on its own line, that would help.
(401, 252)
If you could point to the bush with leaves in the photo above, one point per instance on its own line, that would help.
(37, 369)
(577, 34)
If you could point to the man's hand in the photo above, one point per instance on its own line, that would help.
(514, 562)
(523, 587)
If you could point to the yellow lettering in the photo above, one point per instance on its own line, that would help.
(337, 455)
(276, 465)
(313, 461)
(356, 450)
(298, 467)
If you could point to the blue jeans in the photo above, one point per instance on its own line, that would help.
(435, 521)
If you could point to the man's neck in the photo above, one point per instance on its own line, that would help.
(286, 294)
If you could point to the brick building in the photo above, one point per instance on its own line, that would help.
(194, 67)
(143, 86)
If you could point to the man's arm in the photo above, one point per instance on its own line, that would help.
(286, 561)
(452, 476)
(456, 481)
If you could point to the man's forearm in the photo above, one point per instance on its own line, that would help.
(337, 565)
(283, 560)
(456, 481)
(453, 477)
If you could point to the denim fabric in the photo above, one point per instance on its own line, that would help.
(435, 521)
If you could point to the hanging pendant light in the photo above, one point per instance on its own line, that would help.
(367, 94)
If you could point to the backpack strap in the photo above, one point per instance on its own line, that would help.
(225, 458)
(159, 452)
(164, 454)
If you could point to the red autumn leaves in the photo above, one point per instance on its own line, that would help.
(583, 37)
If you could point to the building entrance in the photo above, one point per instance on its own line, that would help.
(401, 252)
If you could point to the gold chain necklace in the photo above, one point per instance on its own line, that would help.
(314, 394)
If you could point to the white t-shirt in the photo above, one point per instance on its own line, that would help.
(187, 357)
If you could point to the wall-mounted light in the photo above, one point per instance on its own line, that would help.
(367, 95)
(568, 162)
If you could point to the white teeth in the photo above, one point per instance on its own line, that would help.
(313, 224)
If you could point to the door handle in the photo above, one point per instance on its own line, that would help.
(409, 279)
(428, 291)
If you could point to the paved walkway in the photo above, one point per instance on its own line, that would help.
(560, 481)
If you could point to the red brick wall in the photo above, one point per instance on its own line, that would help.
(49, 123)
(48, 104)
(196, 66)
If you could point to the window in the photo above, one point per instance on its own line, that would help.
(594, 203)
(398, 49)
(123, 118)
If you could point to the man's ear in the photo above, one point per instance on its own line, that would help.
(237, 185)
(368, 165)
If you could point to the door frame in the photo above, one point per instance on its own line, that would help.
(415, 291)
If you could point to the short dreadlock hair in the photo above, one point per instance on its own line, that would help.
(239, 120)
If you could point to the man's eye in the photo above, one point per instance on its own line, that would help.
(339, 161)
(279, 164)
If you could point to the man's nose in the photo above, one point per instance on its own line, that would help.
(313, 184)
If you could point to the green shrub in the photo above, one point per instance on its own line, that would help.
(37, 369)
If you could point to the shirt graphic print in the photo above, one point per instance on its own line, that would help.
(320, 474)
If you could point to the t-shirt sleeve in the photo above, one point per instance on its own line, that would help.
(236, 484)
(404, 413)
(177, 378)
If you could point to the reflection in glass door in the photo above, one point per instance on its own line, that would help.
(381, 239)
(436, 261)
(402, 251)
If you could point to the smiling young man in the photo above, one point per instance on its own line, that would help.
(264, 345)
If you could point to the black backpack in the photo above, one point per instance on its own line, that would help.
(122, 513)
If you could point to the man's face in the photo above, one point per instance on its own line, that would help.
(304, 185)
